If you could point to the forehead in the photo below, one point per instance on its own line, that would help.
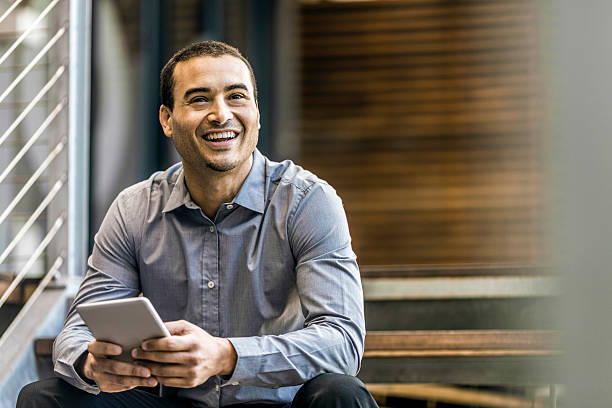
(211, 72)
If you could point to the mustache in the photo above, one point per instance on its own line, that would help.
(230, 125)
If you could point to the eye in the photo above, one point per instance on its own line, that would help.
(199, 99)
(237, 96)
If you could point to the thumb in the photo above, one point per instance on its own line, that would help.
(179, 327)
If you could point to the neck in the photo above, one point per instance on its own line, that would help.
(209, 188)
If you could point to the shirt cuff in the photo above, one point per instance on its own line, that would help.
(64, 367)
(247, 363)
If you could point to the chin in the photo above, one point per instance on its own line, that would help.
(221, 167)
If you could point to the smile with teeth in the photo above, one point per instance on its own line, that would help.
(220, 136)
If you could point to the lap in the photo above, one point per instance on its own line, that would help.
(55, 392)
(325, 390)
(333, 390)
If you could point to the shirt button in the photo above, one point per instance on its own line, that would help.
(212, 229)
(211, 284)
(217, 387)
(229, 206)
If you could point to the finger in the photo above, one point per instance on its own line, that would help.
(177, 382)
(109, 387)
(172, 343)
(120, 368)
(179, 327)
(164, 356)
(124, 381)
(170, 370)
(102, 348)
(114, 388)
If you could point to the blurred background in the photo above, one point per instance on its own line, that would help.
(468, 139)
(426, 116)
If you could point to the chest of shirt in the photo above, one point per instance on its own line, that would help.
(232, 276)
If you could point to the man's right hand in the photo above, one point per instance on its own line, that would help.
(112, 375)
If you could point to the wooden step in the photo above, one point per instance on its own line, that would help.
(452, 270)
(455, 395)
(465, 281)
(474, 357)
(457, 343)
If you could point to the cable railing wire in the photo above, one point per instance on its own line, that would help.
(37, 252)
(27, 31)
(33, 103)
(23, 313)
(34, 61)
(9, 10)
(39, 171)
(58, 108)
(39, 210)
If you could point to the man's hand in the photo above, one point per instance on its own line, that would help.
(113, 375)
(187, 358)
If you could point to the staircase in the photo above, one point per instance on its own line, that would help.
(435, 330)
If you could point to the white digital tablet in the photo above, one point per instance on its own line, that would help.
(126, 322)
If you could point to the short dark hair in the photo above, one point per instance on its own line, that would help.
(199, 49)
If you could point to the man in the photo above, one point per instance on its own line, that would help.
(247, 260)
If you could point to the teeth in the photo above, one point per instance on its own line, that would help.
(222, 135)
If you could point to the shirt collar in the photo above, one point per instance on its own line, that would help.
(179, 194)
(250, 195)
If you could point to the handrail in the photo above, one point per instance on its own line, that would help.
(32, 140)
(23, 313)
(9, 10)
(41, 207)
(34, 61)
(31, 105)
(54, 182)
(39, 250)
(27, 31)
(58, 148)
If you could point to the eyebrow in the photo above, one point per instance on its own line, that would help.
(236, 86)
(228, 88)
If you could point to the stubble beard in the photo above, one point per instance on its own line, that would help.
(220, 168)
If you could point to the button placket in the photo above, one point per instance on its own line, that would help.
(210, 278)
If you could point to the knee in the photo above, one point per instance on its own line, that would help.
(39, 393)
(29, 396)
(334, 390)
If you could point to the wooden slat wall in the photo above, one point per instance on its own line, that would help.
(425, 116)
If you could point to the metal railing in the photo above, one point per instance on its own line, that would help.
(43, 146)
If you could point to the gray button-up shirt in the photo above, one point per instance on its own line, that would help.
(274, 272)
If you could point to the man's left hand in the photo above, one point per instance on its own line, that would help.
(187, 358)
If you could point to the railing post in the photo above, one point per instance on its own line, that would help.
(78, 135)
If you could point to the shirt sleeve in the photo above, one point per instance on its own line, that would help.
(112, 274)
(331, 296)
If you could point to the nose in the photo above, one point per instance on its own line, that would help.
(219, 112)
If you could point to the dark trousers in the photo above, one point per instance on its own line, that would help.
(324, 391)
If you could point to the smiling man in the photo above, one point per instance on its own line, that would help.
(248, 261)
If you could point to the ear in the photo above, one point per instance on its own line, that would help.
(165, 119)
(258, 122)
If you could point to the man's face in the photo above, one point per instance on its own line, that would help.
(215, 121)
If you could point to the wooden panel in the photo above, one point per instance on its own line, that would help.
(422, 271)
(425, 116)
(453, 395)
(461, 343)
